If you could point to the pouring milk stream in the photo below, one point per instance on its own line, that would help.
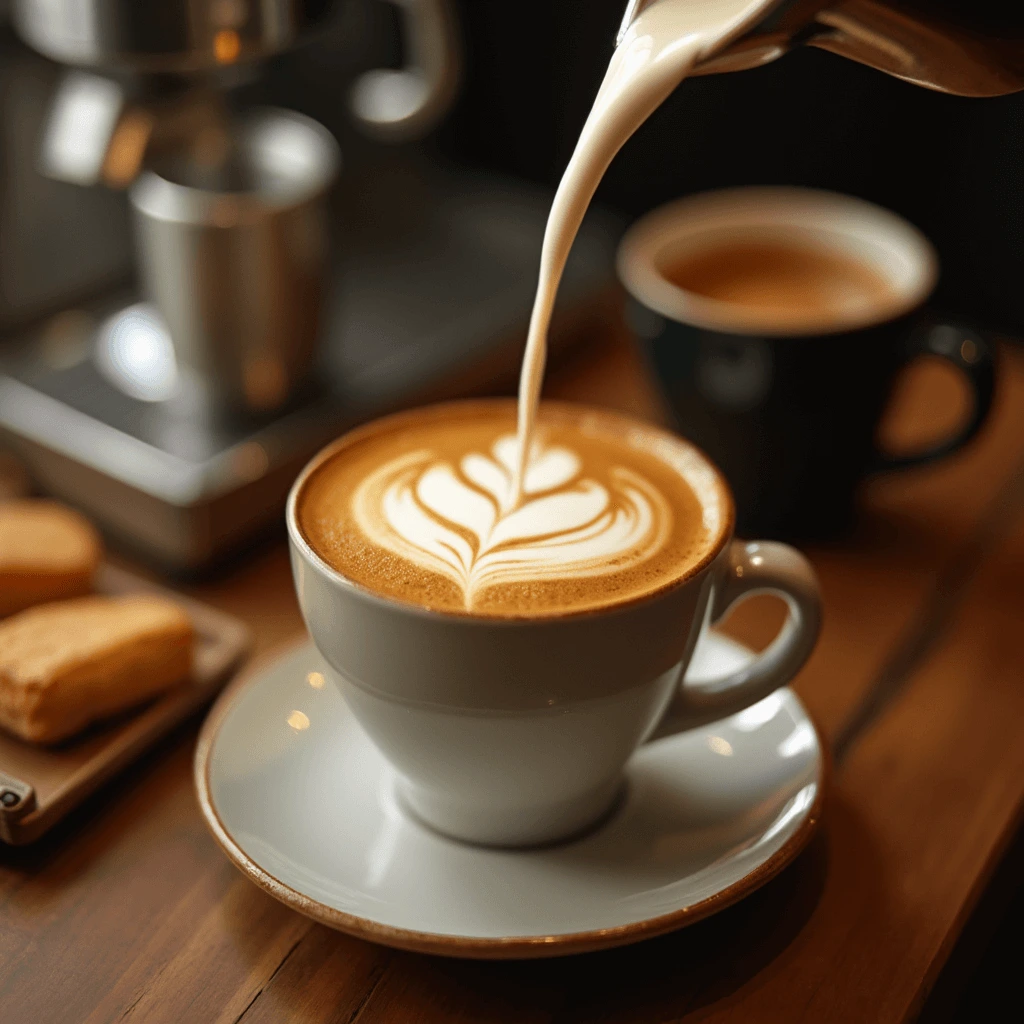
(654, 56)
(483, 512)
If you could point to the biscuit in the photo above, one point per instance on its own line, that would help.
(68, 664)
(47, 552)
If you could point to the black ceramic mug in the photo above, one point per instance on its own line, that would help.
(788, 402)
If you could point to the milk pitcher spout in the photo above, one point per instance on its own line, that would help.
(963, 47)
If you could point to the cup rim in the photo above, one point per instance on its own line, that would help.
(891, 243)
(301, 545)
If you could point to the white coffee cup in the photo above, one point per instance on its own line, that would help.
(514, 732)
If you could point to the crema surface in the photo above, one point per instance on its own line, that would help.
(420, 507)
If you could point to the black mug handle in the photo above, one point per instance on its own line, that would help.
(973, 356)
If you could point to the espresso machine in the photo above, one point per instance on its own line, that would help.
(241, 248)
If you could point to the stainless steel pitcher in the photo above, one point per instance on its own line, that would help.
(964, 47)
(236, 273)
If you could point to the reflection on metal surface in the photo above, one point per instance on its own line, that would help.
(720, 745)
(126, 149)
(56, 427)
(298, 721)
(316, 680)
(82, 120)
(226, 46)
(135, 353)
(922, 47)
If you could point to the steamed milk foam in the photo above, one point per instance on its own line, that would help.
(419, 507)
(486, 509)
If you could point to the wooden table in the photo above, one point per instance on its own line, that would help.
(129, 912)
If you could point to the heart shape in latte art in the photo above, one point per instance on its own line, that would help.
(460, 521)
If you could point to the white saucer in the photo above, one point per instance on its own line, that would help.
(304, 804)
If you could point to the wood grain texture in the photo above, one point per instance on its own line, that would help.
(129, 912)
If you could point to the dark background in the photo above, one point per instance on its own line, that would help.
(951, 165)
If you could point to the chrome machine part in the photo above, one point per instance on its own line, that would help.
(191, 36)
(178, 36)
(407, 102)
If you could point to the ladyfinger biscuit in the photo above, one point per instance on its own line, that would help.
(47, 552)
(68, 664)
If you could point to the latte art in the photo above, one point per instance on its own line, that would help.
(421, 507)
(461, 521)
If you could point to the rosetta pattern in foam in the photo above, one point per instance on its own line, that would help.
(460, 523)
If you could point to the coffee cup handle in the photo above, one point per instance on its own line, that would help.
(753, 567)
(968, 351)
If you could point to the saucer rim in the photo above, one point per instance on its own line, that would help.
(469, 947)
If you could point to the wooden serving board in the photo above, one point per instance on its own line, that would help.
(39, 785)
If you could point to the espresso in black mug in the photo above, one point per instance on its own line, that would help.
(777, 321)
